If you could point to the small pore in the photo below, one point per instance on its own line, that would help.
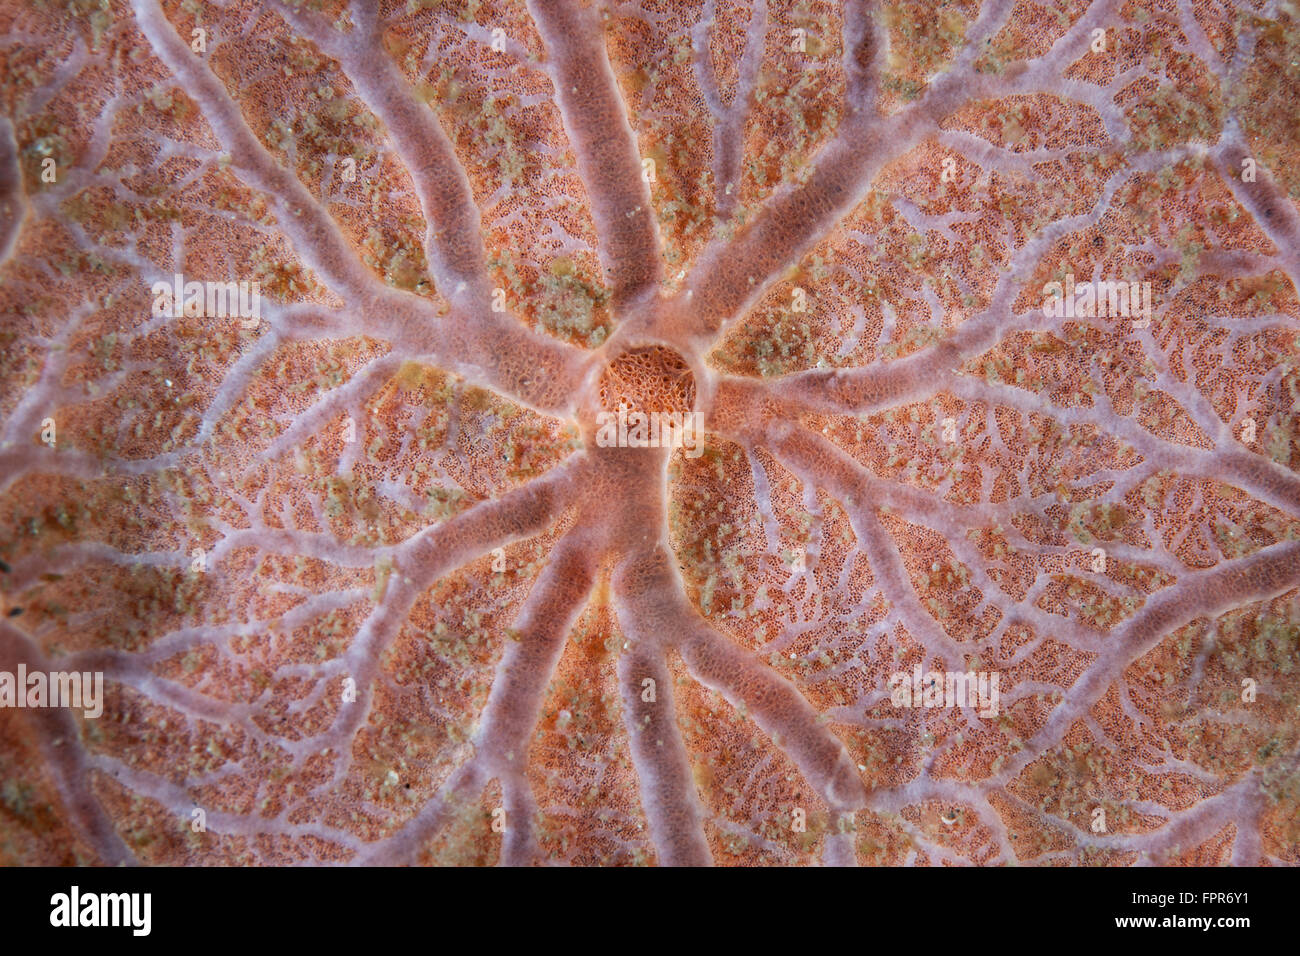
(652, 378)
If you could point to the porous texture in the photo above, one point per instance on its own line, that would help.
(648, 379)
(363, 588)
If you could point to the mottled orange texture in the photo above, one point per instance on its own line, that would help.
(648, 379)
(362, 584)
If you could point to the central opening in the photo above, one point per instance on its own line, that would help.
(646, 399)
(648, 379)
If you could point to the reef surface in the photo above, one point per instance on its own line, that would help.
(949, 512)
